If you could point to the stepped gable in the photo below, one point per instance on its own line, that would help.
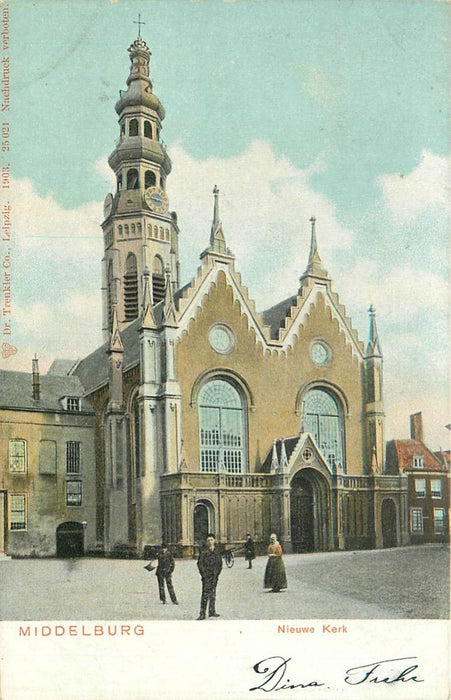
(290, 444)
(93, 370)
(16, 391)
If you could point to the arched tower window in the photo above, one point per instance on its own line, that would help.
(119, 183)
(133, 127)
(158, 281)
(132, 179)
(322, 416)
(222, 433)
(147, 130)
(131, 288)
(149, 179)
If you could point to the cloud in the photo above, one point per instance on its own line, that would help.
(265, 207)
(407, 195)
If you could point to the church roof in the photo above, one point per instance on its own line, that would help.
(93, 370)
(274, 316)
(290, 443)
(61, 367)
(16, 391)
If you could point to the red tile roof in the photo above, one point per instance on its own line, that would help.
(406, 450)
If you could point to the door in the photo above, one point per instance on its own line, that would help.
(70, 540)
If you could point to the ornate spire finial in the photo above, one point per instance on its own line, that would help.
(139, 23)
(373, 347)
(314, 265)
(217, 239)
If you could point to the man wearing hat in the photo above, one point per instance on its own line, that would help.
(210, 566)
(164, 573)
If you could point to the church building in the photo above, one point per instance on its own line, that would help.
(210, 416)
(205, 415)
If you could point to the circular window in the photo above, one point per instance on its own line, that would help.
(221, 339)
(320, 353)
(307, 454)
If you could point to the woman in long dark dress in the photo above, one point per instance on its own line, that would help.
(275, 575)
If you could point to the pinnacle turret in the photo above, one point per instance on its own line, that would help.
(373, 348)
(217, 238)
(314, 266)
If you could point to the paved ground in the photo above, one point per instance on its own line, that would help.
(409, 582)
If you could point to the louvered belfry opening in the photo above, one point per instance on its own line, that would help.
(158, 280)
(131, 288)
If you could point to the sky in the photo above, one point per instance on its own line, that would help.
(293, 108)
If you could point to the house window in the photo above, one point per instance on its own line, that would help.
(322, 417)
(436, 488)
(420, 488)
(73, 403)
(17, 511)
(73, 493)
(439, 520)
(17, 456)
(416, 520)
(418, 462)
(72, 457)
(221, 428)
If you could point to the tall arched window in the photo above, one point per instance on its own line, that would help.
(158, 281)
(222, 431)
(323, 418)
(132, 179)
(131, 288)
(110, 293)
(133, 127)
(149, 179)
(147, 130)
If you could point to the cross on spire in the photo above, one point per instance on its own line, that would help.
(139, 23)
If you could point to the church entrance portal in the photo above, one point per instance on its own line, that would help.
(310, 512)
(70, 540)
(201, 523)
(389, 538)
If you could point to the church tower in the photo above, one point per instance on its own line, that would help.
(140, 234)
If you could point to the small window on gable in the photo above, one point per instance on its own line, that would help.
(17, 456)
(418, 462)
(147, 130)
(72, 403)
(133, 127)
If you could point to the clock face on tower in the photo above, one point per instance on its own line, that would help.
(107, 205)
(156, 199)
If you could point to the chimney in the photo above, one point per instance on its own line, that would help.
(416, 427)
(36, 384)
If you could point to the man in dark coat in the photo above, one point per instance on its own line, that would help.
(249, 551)
(210, 566)
(164, 573)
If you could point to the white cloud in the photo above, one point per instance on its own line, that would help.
(265, 207)
(428, 185)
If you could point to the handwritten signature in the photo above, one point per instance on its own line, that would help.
(274, 670)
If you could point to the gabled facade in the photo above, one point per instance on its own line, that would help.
(428, 477)
(47, 465)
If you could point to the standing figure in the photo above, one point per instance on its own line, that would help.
(275, 576)
(249, 550)
(164, 573)
(210, 566)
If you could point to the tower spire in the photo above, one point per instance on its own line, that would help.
(217, 238)
(139, 23)
(314, 266)
(373, 347)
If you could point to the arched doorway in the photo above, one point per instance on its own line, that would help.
(388, 514)
(70, 540)
(310, 512)
(203, 522)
